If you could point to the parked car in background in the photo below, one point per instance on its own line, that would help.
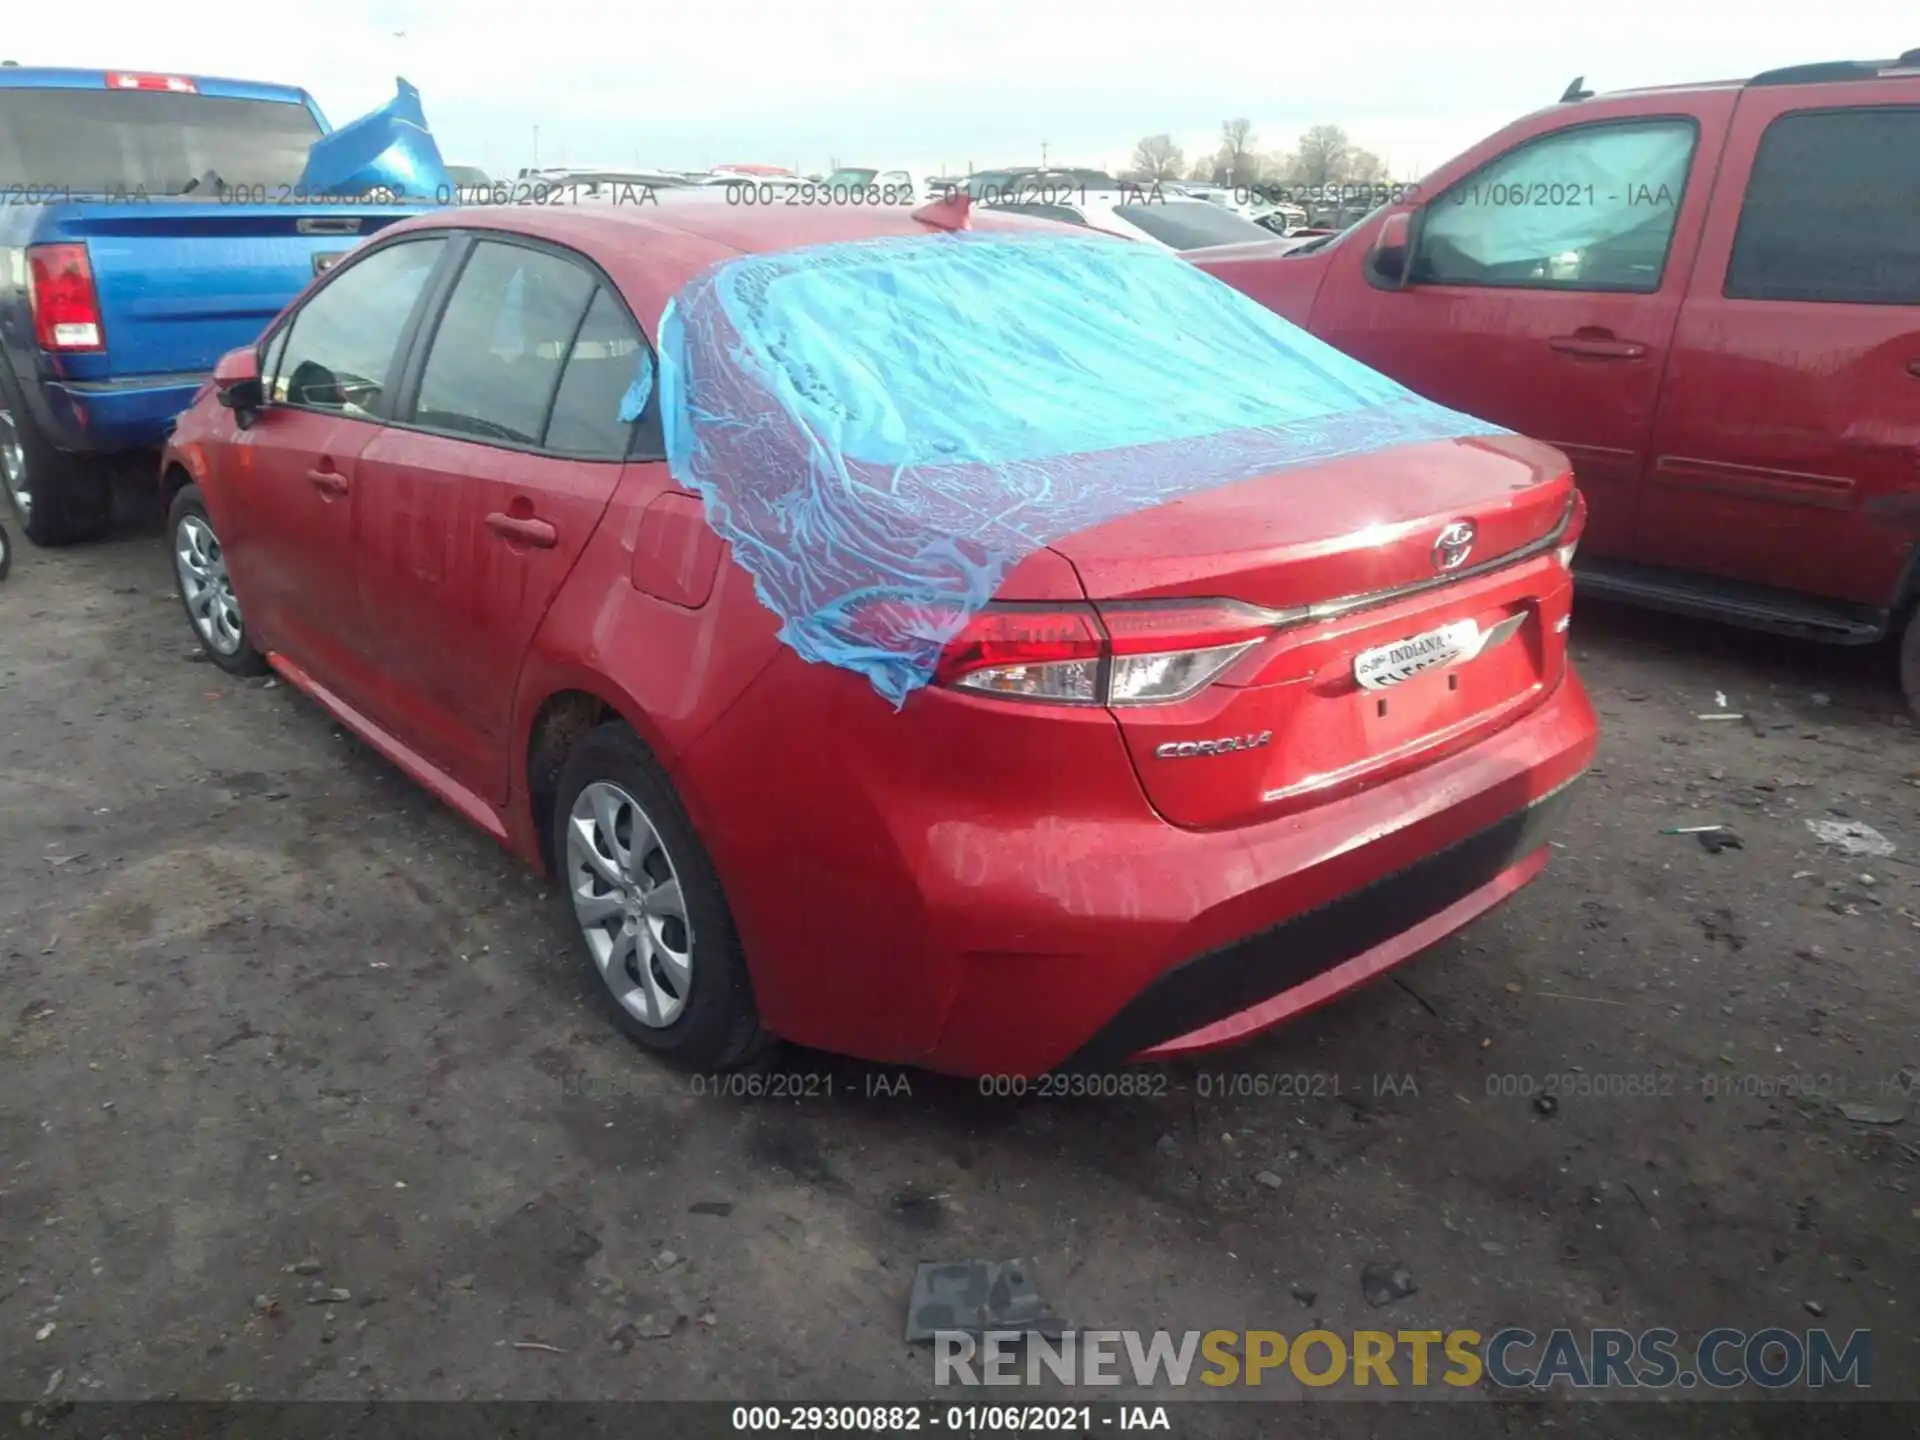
(148, 223)
(1177, 224)
(891, 185)
(1657, 283)
(1163, 784)
(470, 185)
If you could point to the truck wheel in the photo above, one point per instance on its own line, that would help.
(648, 907)
(59, 498)
(1910, 661)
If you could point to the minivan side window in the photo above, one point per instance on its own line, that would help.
(337, 353)
(1832, 210)
(502, 341)
(1591, 207)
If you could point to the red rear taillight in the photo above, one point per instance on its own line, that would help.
(127, 80)
(66, 311)
(1141, 653)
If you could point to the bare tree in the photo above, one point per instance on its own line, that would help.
(1158, 158)
(1201, 171)
(1236, 152)
(1365, 168)
(1322, 156)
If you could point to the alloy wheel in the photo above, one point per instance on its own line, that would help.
(627, 897)
(205, 583)
(13, 465)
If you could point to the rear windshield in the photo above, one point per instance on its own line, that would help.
(120, 141)
(1191, 224)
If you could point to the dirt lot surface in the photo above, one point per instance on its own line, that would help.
(303, 1094)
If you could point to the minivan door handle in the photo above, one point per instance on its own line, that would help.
(1600, 344)
(328, 482)
(537, 533)
(1913, 368)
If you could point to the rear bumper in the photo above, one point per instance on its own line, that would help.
(1250, 926)
(113, 416)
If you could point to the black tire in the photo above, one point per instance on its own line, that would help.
(1910, 660)
(718, 1027)
(243, 659)
(59, 498)
(6, 552)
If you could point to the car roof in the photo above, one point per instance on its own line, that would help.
(651, 250)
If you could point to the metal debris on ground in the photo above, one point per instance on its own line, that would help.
(1875, 1112)
(1714, 841)
(1851, 837)
(1724, 715)
(1690, 829)
(1546, 1104)
(1383, 1284)
(976, 1296)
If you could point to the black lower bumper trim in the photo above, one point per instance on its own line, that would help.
(1239, 976)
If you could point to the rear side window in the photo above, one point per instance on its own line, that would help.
(339, 350)
(123, 141)
(1591, 207)
(1832, 210)
(605, 359)
(502, 343)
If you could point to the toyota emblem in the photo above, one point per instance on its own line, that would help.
(1454, 544)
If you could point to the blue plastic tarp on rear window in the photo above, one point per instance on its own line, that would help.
(883, 429)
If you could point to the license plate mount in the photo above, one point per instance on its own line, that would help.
(1384, 666)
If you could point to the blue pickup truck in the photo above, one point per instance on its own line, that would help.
(148, 224)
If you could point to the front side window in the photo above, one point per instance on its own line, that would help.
(1832, 210)
(1587, 208)
(338, 352)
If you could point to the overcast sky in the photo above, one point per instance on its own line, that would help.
(985, 81)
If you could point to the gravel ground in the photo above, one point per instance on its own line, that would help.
(305, 1097)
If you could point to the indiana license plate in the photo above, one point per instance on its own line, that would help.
(1387, 665)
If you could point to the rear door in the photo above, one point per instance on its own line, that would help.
(290, 528)
(1544, 288)
(1788, 448)
(475, 505)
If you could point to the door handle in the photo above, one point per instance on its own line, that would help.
(537, 533)
(1913, 368)
(327, 482)
(1601, 347)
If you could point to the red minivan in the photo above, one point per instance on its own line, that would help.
(1185, 772)
(1708, 297)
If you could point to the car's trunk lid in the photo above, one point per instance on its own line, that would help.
(1451, 642)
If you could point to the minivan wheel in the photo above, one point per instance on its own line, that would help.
(59, 498)
(206, 589)
(1910, 660)
(648, 906)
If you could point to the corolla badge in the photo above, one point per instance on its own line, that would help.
(1185, 749)
(1454, 544)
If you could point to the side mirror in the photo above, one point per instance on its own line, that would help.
(1389, 262)
(236, 384)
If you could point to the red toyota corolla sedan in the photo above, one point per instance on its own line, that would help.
(1057, 718)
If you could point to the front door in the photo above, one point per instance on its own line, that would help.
(293, 548)
(1542, 292)
(479, 500)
